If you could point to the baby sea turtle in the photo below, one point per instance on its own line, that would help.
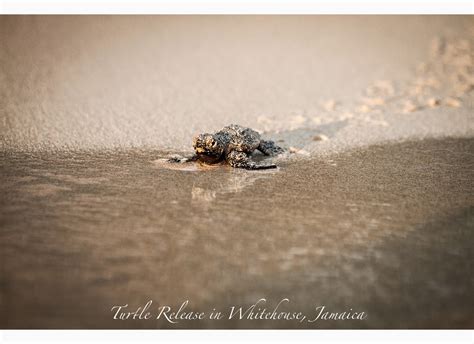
(233, 144)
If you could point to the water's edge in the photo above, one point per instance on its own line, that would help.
(385, 229)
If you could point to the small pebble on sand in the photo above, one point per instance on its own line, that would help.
(294, 150)
(433, 102)
(320, 137)
(295, 122)
(409, 107)
(373, 101)
(452, 102)
(364, 109)
(464, 88)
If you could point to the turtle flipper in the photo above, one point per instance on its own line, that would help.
(269, 148)
(254, 166)
(241, 160)
(180, 159)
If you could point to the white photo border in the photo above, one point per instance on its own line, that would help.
(236, 7)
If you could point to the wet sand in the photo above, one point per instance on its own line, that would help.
(387, 230)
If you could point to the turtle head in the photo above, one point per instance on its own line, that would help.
(208, 148)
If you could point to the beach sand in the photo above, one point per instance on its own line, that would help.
(371, 211)
(121, 82)
(386, 230)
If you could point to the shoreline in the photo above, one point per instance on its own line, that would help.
(367, 229)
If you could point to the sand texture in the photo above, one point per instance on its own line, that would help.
(120, 82)
(371, 207)
(386, 230)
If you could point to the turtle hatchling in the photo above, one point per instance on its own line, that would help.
(233, 144)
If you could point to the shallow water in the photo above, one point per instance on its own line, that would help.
(387, 230)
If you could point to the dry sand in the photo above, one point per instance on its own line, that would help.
(132, 81)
